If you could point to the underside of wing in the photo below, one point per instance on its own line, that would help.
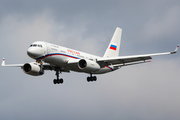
(54, 67)
(123, 60)
(70, 65)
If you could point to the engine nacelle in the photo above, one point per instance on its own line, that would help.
(88, 65)
(33, 69)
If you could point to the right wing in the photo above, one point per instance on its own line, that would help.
(45, 66)
(12, 65)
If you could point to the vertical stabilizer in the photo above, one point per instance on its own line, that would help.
(114, 45)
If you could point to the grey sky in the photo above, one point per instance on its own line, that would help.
(147, 91)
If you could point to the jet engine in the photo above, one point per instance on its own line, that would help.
(88, 65)
(33, 69)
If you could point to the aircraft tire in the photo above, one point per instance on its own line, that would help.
(58, 81)
(88, 79)
(94, 78)
(61, 81)
(54, 81)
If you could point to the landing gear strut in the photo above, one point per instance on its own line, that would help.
(91, 78)
(41, 72)
(57, 81)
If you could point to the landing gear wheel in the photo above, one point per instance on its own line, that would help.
(57, 81)
(54, 81)
(61, 81)
(91, 78)
(94, 78)
(88, 79)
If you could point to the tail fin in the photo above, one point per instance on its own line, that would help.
(114, 45)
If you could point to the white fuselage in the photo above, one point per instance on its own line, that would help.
(61, 56)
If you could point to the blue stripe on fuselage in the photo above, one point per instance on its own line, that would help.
(54, 54)
(109, 68)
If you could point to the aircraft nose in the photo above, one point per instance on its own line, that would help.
(30, 52)
(33, 53)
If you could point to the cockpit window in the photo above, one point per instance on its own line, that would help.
(36, 45)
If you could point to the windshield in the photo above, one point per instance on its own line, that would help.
(36, 45)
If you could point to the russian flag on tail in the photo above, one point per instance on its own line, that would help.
(113, 47)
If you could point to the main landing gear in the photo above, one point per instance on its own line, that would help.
(60, 81)
(91, 78)
(57, 81)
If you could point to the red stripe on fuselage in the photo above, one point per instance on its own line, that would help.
(55, 55)
(109, 68)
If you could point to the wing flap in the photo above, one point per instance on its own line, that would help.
(123, 60)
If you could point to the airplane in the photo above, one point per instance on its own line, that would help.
(61, 59)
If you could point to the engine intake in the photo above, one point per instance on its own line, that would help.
(88, 65)
(33, 69)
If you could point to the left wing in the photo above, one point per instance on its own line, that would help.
(130, 59)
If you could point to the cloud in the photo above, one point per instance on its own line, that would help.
(164, 25)
(142, 89)
(147, 91)
(142, 92)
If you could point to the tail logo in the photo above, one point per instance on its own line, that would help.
(113, 47)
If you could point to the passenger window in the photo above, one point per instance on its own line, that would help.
(40, 45)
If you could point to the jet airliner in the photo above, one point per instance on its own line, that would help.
(49, 56)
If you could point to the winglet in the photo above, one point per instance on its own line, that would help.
(3, 62)
(175, 49)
